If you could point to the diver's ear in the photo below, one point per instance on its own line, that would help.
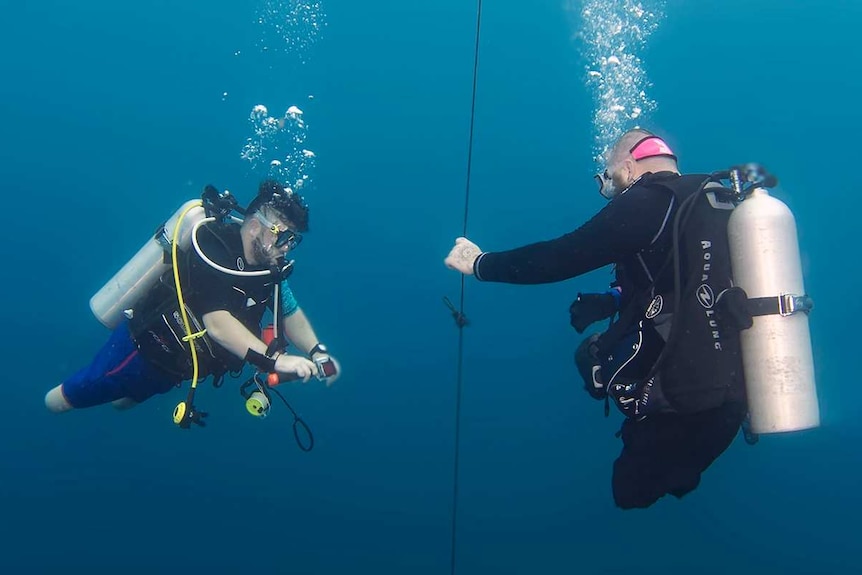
(253, 223)
(629, 174)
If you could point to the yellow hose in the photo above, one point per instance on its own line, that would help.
(189, 337)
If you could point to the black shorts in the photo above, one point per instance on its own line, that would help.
(667, 452)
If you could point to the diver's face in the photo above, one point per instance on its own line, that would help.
(273, 239)
(616, 178)
(606, 184)
(263, 253)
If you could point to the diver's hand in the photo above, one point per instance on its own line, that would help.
(295, 364)
(321, 358)
(462, 256)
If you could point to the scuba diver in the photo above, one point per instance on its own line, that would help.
(682, 358)
(190, 305)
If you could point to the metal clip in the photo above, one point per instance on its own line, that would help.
(162, 238)
(788, 304)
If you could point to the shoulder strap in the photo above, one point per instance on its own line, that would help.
(686, 208)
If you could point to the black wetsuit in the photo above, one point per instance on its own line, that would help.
(665, 452)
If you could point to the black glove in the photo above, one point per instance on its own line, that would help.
(590, 308)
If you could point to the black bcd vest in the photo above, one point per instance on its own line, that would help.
(680, 353)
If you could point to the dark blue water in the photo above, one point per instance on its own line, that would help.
(114, 114)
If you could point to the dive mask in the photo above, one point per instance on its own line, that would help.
(282, 237)
(606, 185)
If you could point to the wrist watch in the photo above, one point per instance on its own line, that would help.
(318, 348)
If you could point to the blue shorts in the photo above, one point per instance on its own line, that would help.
(117, 371)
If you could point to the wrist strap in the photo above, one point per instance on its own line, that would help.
(264, 363)
(316, 349)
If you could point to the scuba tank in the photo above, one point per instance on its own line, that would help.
(141, 273)
(776, 350)
(120, 294)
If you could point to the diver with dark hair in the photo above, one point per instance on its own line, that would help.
(229, 274)
(683, 411)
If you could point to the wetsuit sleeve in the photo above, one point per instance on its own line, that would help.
(625, 226)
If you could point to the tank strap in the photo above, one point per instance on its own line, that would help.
(784, 304)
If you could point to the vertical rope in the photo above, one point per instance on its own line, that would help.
(461, 303)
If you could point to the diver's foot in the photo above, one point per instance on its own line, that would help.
(56, 402)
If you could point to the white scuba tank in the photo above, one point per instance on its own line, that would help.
(140, 273)
(776, 350)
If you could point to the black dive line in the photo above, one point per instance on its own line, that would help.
(461, 303)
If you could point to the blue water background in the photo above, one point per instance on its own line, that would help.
(113, 114)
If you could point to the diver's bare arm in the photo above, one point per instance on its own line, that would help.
(298, 330)
(231, 334)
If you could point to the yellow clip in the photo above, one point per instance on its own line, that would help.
(195, 335)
